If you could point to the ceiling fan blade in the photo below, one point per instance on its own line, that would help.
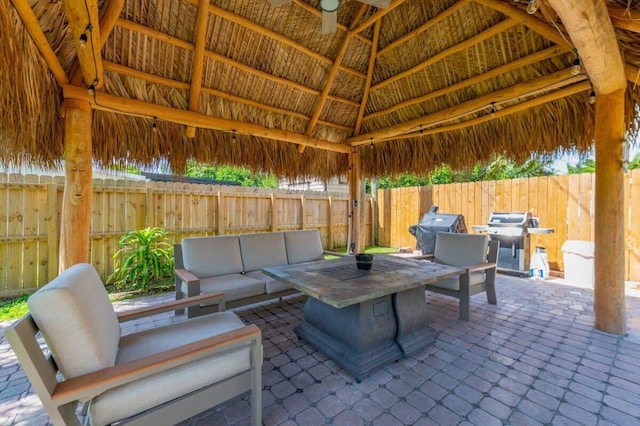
(329, 22)
(380, 4)
(279, 2)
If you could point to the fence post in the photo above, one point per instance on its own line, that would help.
(330, 220)
(274, 219)
(149, 208)
(220, 214)
(302, 211)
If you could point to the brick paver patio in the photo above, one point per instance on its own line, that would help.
(532, 359)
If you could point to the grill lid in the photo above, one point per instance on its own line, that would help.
(522, 219)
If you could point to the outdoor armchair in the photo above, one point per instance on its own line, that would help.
(478, 255)
(161, 375)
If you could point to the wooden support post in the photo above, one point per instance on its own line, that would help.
(52, 233)
(354, 202)
(76, 201)
(609, 297)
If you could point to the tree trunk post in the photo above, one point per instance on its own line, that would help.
(609, 297)
(76, 201)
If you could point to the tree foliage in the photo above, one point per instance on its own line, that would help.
(498, 169)
(235, 174)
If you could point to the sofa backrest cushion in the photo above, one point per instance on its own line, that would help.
(77, 320)
(212, 256)
(262, 250)
(461, 249)
(303, 246)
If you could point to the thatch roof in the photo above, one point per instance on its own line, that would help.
(481, 77)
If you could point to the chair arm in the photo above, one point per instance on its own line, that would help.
(186, 276)
(480, 267)
(97, 382)
(169, 306)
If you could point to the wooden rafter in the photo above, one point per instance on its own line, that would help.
(591, 31)
(624, 18)
(367, 86)
(332, 75)
(529, 21)
(232, 17)
(152, 78)
(424, 27)
(571, 90)
(482, 102)
(111, 12)
(380, 13)
(32, 25)
(633, 73)
(527, 60)
(116, 104)
(478, 38)
(85, 30)
(197, 64)
(317, 12)
(150, 32)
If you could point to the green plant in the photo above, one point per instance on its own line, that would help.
(14, 309)
(143, 257)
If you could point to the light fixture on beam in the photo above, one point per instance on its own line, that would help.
(532, 7)
(576, 67)
(592, 97)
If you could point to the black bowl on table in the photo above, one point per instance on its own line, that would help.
(364, 261)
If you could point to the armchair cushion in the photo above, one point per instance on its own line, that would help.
(77, 320)
(475, 278)
(262, 250)
(461, 249)
(154, 390)
(234, 286)
(212, 256)
(303, 246)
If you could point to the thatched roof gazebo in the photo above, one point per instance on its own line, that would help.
(396, 86)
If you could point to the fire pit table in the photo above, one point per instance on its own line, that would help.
(364, 319)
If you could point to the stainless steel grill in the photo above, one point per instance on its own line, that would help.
(512, 230)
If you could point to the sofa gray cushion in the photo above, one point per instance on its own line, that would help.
(211, 256)
(303, 246)
(262, 250)
(272, 285)
(234, 286)
(77, 321)
(157, 389)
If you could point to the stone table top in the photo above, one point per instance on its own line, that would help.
(339, 283)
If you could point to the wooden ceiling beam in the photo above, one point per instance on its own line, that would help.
(503, 69)
(633, 73)
(624, 18)
(509, 94)
(529, 21)
(317, 12)
(367, 86)
(424, 27)
(230, 16)
(380, 13)
(333, 72)
(82, 16)
(523, 106)
(32, 25)
(150, 32)
(478, 38)
(116, 104)
(151, 78)
(590, 28)
(197, 64)
(111, 13)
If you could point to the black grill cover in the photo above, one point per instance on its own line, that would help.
(432, 223)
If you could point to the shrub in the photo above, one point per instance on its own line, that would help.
(143, 257)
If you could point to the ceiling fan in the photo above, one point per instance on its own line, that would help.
(330, 11)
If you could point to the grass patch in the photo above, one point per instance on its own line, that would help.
(14, 308)
(368, 249)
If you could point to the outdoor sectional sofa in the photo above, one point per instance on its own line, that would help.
(231, 264)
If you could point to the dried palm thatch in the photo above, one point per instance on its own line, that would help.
(461, 80)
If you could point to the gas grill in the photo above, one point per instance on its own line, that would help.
(512, 230)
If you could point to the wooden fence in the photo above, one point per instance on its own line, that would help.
(564, 203)
(30, 219)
